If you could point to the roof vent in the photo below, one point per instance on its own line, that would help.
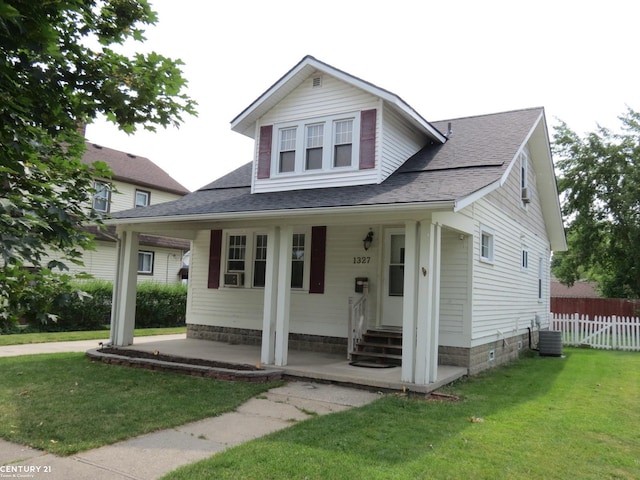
(95, 145)
(317, 82)
(131, 155)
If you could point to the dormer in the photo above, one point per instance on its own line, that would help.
(320, 127)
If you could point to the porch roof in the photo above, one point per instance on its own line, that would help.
(476, 155)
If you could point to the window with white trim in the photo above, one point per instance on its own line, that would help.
(540, 277)
(524, 260)
(297, 261)
(287, 152)
(246, 254)
(145, 263)
(260, 260)
(323, 144)
(487, 246)
(236, 253)
(142, 198)
(313, 152)
(101, 196)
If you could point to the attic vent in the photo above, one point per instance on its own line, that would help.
(317, 82)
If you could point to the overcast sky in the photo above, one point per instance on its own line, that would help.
(447, 59)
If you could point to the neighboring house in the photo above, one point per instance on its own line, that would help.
(446, 228)
(136, 182)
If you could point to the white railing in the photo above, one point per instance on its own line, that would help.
(612, 332)
(357, 321)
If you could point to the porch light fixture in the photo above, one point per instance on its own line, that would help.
(368, 240)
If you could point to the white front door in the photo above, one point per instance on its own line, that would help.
(393, 278)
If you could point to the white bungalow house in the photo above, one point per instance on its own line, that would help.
(358, 214)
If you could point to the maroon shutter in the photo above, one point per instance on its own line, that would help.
(367, 139)
(264, 151)
(318, 249)
(215, 256)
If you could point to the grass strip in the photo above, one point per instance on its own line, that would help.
(45, 337)
(552, 418)
(64, 403)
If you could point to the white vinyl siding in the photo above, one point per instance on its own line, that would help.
(100, 263)
(504, 299)
(508, 198)
(399, 141)
(124, 194)
(243, 308)
(455, 289)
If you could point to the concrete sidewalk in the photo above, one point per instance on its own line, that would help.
(150, 456)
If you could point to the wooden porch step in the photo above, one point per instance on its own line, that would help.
(376, 355)
(383, 346)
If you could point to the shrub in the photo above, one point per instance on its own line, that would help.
(159, 305)
(87, 306)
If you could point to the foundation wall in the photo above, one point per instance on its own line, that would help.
(244, 336)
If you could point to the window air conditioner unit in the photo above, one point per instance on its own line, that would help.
(234, 279)
(525, 196)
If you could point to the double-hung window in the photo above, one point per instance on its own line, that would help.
(236, 253)
(101, 196)
(343, 143)
(313, 151)
(260, 261)
(287, 153)
(297, 261)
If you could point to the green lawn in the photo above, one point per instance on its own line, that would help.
(547, 418)
(42, 337)
(64, 403)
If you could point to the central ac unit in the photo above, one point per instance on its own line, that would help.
(234, 279)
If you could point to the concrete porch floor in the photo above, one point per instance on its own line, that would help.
(316, 366)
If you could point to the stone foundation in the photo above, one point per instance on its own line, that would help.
(244, 336)
(488, 355)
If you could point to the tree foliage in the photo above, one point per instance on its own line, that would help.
(600, 184)
(59, 69)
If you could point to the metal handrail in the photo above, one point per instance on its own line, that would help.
(357, 320)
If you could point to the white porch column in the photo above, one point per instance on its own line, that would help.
(426, 368)
(283, 296)
(123, 306)
(409, 304)
(270, 297)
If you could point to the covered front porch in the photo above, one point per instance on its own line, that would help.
(244, 271)
(314, 366)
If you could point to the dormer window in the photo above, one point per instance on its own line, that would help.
(318, 145)
(287, 160)
(313, 153)
(343, 143)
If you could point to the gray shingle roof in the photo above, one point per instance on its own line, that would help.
(133, 169)
(477, 154)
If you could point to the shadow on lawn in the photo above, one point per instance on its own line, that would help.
(400, 429)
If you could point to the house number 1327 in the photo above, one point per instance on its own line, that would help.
(361, 259)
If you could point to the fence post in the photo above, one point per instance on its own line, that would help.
(576, 323)
(614, 332)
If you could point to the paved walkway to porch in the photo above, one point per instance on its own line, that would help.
(301, 364)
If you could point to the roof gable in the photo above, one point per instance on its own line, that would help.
(245, 122)
(133, 169)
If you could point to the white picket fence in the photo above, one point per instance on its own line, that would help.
(612, 332)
